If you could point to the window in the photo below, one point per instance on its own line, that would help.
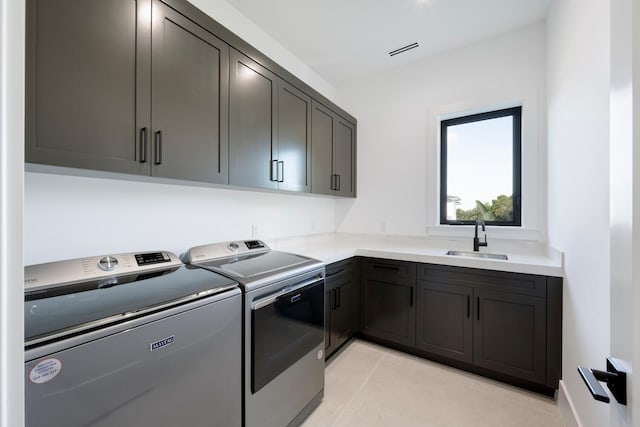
(481, 168)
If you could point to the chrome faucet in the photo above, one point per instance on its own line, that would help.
(476, 241)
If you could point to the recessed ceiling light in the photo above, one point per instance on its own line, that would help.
(404, 49)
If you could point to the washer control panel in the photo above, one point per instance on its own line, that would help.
(60, 273)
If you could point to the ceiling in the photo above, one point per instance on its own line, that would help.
(343, 40)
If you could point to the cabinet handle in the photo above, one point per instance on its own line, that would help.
(158, 148)
(478, 307)
(335, 182)
(143, 145)
(335, 273)
(338, 298)
(411, 297)
(280, 171)
(386, 267)
(334, 304)
(468, 306)
(274, 171)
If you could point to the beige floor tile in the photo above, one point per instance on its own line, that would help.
(369, 385)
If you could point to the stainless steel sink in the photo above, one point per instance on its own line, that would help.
(478, 255)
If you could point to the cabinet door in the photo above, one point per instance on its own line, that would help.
(445, 324)
(388, 301)
(86, 97)
(329, 345)
(341, 303)
(294, 139)
(344, 322)
(252, 125)
(344, 158)
(190, 77)
(510, 334)
(322, 128)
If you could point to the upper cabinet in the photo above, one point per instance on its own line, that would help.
(294, 139)
(158, 88)
(333, 142)
(270, 129)
(190, 98)
(85, 81)
(101, 97)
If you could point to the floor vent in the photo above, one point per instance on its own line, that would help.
(404, 49)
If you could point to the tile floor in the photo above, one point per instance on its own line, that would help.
(369, 385)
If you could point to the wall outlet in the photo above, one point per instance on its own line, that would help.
(254, 231)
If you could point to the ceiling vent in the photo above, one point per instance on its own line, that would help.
(403, 49)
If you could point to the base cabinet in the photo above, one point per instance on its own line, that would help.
(493, 320)
(444, 320)
(340, 305)
(388, 294)
(500, 324)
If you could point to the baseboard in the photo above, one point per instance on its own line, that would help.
(567, 410)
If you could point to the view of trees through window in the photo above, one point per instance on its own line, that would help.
(481, 168)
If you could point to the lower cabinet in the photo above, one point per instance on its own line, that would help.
(388, 300)
(490, 319)
(501, 324)
(341, 306)
(510, 334)
(444, 320)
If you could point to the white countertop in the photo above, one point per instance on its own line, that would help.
(523, 256)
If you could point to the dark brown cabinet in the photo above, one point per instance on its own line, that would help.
(270, 129)
(334, 153)
(293, 154)
(500, 324)
(252, 127)
(498, 321)
(510, 334)
(87, 89)
(341, 306)
(157, 87)
(125, 86)
(444, 320)
(189, 81)
(388, 300)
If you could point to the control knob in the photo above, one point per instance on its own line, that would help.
(108, 263)
(233, 246)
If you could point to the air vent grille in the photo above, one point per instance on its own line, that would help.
(403, 49)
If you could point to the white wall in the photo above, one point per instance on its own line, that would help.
(578, 174)
(11, 161)
(398, 148)
(67, 216)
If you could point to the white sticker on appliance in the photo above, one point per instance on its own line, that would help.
(45, 371)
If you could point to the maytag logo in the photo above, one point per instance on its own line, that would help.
(162, 343)
(30, 280)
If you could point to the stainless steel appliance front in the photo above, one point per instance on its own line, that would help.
(140, 346)
(283, 332)
(284, 350)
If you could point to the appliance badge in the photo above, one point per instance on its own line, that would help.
(156, 345)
